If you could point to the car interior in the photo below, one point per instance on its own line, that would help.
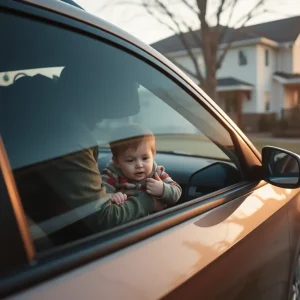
(35, 111)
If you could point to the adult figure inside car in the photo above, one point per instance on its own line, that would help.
(64, 193)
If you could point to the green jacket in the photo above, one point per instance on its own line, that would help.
(77, 181)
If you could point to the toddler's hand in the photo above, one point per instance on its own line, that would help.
(155, 186)
(118, 198)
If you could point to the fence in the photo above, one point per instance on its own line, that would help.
(292, 116)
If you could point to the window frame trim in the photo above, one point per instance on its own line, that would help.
(13, 221)
(16, 203)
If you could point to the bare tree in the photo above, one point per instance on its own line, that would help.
(208, 39)
(210, 36)
(217, 25)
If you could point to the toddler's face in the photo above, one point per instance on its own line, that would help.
(136, 164)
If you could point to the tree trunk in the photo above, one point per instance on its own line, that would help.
(210, 87)
(209, 48)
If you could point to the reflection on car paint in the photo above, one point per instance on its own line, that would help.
(187, 250)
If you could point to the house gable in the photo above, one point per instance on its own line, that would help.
(280, 31)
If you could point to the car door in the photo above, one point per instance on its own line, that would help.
(231, 242)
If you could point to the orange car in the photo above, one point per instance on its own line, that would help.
(68, 82)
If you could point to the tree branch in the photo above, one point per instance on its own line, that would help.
(218, 27)
(246, 18)
(183, 68)
(219, 11)
(116, 2)
(234, 3)
(249, 15)
(150, 12)
(202, 6)
(225, 28)
(181, 36)
(191, 7)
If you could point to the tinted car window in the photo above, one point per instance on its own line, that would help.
(63, 99)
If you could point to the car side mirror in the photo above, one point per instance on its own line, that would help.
(281, 167)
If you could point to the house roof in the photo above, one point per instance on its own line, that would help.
(287, 78)
(284, 30)
(287, 75)
(225, 81)
(227, 84)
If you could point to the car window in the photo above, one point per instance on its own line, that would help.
(65, 99)
(171, 125)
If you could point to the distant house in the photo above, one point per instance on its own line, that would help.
(260, 73)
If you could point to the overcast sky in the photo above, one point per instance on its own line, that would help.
(134, 19)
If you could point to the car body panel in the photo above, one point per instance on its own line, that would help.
(182, 252)
(293, 208)
(220, 253)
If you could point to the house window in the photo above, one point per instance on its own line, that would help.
(266, 57)
(267, 101)
(242, 58)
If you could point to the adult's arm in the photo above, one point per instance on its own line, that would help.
(77, 181)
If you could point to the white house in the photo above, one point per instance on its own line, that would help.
(262, 67)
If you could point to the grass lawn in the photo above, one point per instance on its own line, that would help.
(200, 145)
(293, 146)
